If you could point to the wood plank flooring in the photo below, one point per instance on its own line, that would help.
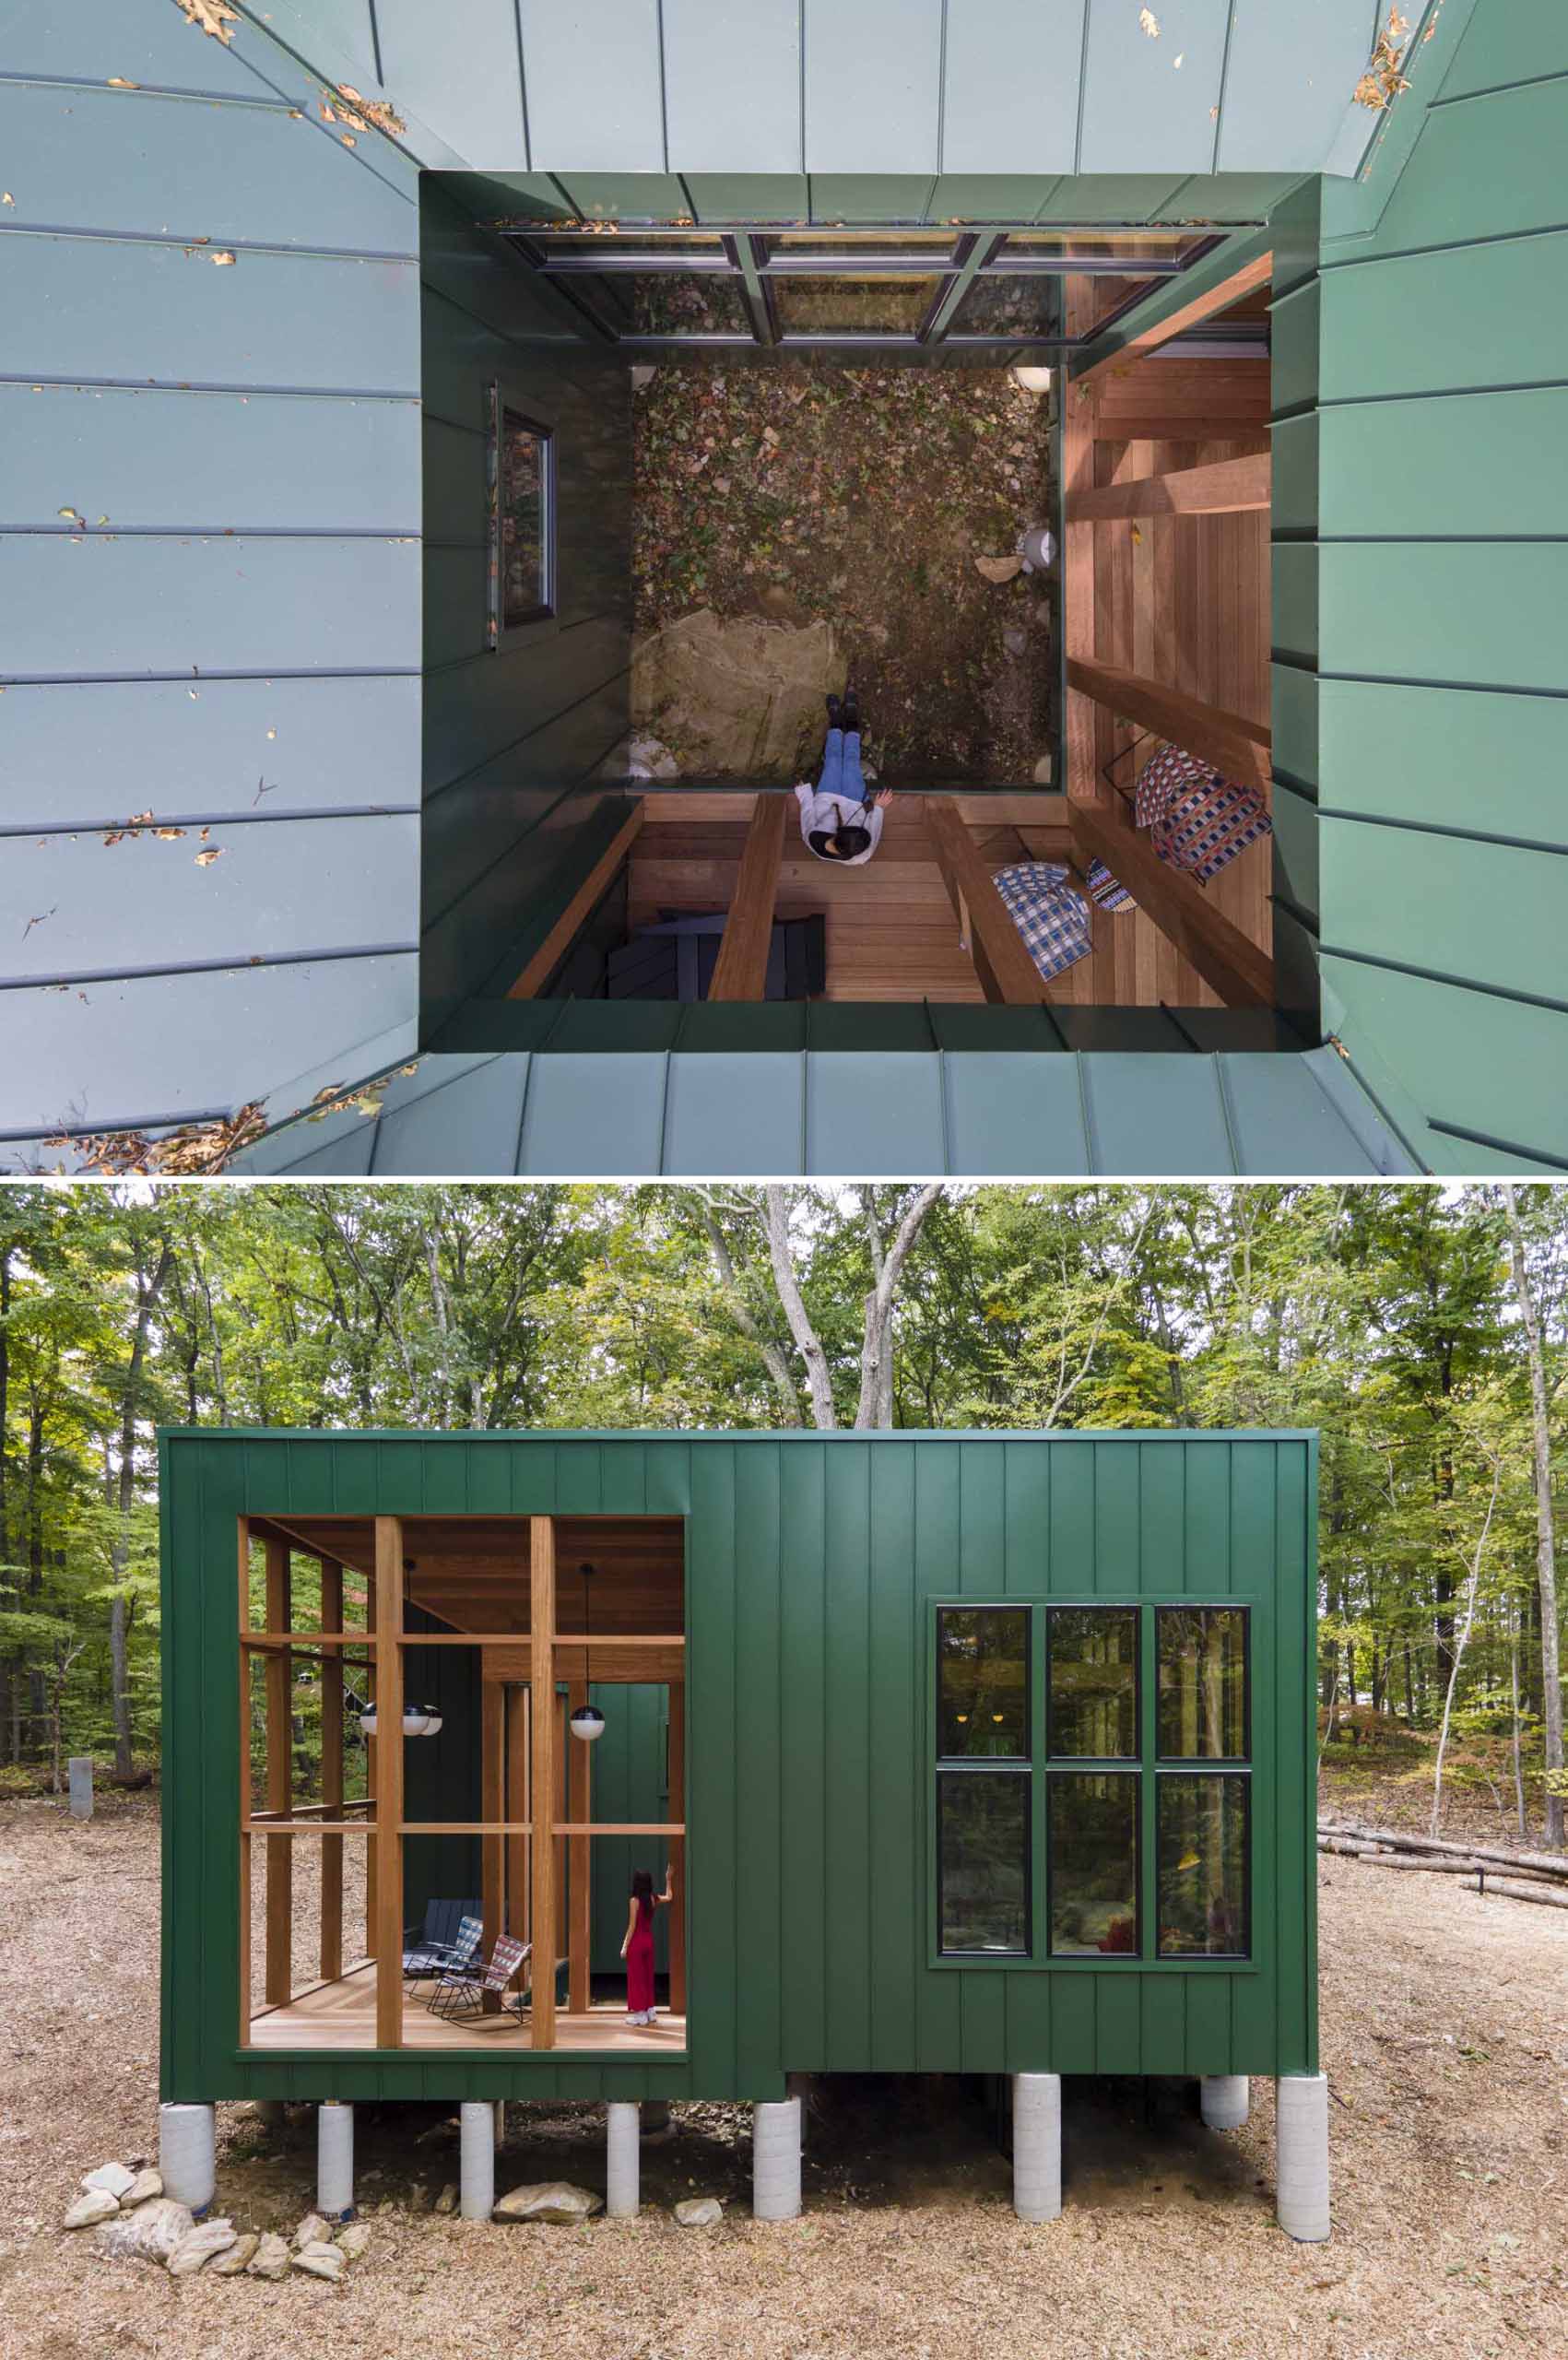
(343, 2015)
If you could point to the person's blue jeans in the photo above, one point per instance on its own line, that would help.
(841, 768)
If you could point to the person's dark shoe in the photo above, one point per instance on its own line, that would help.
(833, 710)
(849, 712)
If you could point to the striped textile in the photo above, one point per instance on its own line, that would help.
(1049, 912)
(1107, 892)
(1196, 820)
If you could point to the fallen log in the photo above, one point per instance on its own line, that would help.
(1382, 1859)
(1548, 1864)
(1523, 1893)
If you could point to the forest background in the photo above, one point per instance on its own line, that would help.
(1423, 1330)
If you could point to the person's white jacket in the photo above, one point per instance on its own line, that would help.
(826, 814)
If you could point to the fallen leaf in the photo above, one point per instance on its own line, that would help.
(1150, 22)
(6, 198)
(222, 256)
(118, 82)
(365, 114)
(214, 17)
(77, 518)
(999, 569)
(1181, 59)
(205, 859)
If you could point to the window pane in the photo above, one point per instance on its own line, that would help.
(996, 306)
(1097, 244)
(519, 461)
(1203, 1864)
(1203, 1713)
(983, 1860)
(1092, 1704)
(983, 1681)
(683, 303)
(891, 304)
(885, 242)
(633, 242)
(1093, 1858)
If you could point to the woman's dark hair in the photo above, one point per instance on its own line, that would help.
(850, 842)
(642, 1886)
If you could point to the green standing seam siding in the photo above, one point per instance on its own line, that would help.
(813, 1564)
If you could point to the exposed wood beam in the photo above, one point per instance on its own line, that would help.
(1237, 747)
(1224, 488)
(245, 1893)
(578, 910)
(331, 1770)
(1150, 426)
(1234, 966)
(741, 971)
(518, 1896)
(541, 1561)
(1217, 298)
(1008, 974)
(388, 1750)
(674, 1803)
(279, 1685)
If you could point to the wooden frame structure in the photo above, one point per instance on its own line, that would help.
(535, 1825)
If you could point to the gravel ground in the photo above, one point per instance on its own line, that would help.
(1445, 2036)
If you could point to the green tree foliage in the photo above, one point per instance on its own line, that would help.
(1385, 1316)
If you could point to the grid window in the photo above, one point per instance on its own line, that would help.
(983, 1862)
(1202, 1655)
(1093, 1858)
(983, 1682)
(1091, 1688)
(1202, 1849)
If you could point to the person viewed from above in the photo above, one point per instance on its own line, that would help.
(637, 1945)
(841, 817)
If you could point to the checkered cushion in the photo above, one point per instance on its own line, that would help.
(1106, 891)
(1196, 820)
(1048, 912)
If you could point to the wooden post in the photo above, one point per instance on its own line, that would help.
(676, 1805)
(580, 1760)
(1218, 298)
(541, 1680)
(1226, 958)
(279, 1678)
(388, 1837)
(330, 1772)
(492, 1788)
(518, 1910)
(740, 971)
(1007, 971)
(1223, 488)
(371, 1806)
(579, 909)
(1237, 747)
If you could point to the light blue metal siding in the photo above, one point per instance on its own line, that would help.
(462, 58)
(1154, 97)
(225, 631)
(1031, 110)
(1290, 76)
(753, 54)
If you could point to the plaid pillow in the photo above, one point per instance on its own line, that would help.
(1106, 891)
(1048, 912)
(1196, 820)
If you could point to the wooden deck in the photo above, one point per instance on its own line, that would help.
(342, 2016)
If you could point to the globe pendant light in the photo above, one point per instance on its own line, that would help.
(418, 1720)
(587, 1721)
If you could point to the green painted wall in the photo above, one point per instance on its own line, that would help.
(629, 1786)
(812, 1564)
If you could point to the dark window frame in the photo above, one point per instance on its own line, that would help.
(1206, 1606)
(1242, 1772)
(504, 402)
(1024, 1760)
(1024, 1773)
(1098, 1605)
(980, 1765)
(1070, 1766)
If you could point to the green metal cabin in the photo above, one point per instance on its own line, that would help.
(245, 540)
(982, 1754)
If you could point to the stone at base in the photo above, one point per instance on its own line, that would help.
(238, 2258)
(553, 2200)
(700, 2213)
(447, 2201)
(319, 2261)
(1044, 770)
(312, 2231)
(148, 2233)
(113, 2178)
(352, 2241)
(270, 2259)
(197, 2247)
(88, 2210)
(145, 2185)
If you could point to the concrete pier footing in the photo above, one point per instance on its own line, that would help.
(475, 2166)
(334, 2161)
(622, 2161)
(775, 2160)
(187, 2154)
(1301, 2149)
(1224, 2100)
(1037, 2146)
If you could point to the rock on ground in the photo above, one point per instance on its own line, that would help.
(312, 2231)
(147, 2184)
(741, 699)
(95, 2206)
(113, 2178)
(238, 2257)
(552, 2199)
(148, 2233)
(197, 2247)
(270, 2259)
(353, 2240)
(320, 2260)
(700, 2213)
(447, 2201)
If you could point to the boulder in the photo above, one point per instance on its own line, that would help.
(999, 569)
(145, 2185)
(148, 2232)
(551, 2199)
(320, 2260)
(312, 2231)
(353, 2241)
(738, 699)
(88, 2210)
(447, 2201)
(112, 2177)
(700, 2213)
(238, 2257)
(197, 2247)
(270, 2259)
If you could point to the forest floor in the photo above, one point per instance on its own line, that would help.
(813, 492)
(1445, 2039)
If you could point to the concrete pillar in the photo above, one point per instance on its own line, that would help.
(623, 2161)
(1037, 2146)
(334, 2161)
(1301, 2152)
(800, 2086)
(1224, 2100)
(775, 2160)
(655, 2116)
(79, 1770)
(187, 2154)
(476, 2166)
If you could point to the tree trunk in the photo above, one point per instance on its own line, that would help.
(148, 1291)
(1545, 1543)
(1461, 1642)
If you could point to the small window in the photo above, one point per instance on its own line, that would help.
(521, 519)
(983, 1682)
(1203, 1684)
(983, 1862)
(1091, 1687)
(1093, 1862)
(1204, 1902)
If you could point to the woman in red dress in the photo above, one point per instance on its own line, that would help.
(637, 1947)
